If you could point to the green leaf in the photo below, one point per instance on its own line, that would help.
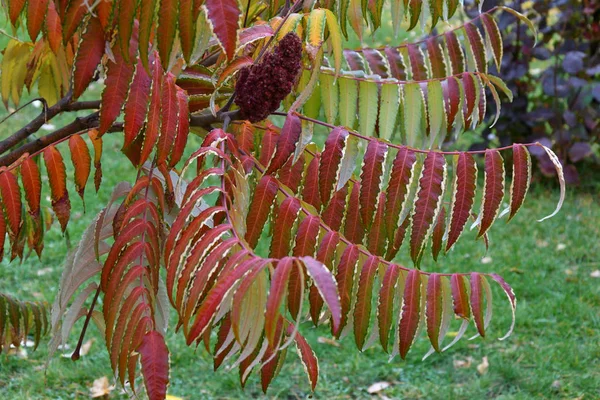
(388, 110)
(413, 111)
(523, 19)
(329, 96)
(349, 88)
(437, 113)
(335, 34)
(367, 109)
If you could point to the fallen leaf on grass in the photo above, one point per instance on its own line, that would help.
(331, 342)
(561, 247)
(483, 367)
(486, 260)
(595, 274)
(466, 363)
(44, 271)
(378, 387)
(101, 388)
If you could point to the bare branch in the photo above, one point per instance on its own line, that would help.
(63, 105)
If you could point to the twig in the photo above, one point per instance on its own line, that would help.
(63, 105)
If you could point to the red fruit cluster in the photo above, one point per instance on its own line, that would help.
(261, 88)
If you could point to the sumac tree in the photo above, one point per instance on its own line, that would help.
(258, 228)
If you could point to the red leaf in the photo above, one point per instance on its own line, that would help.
(455, 53)
(398, 239)
(463, 196)
(521, 177)
(137, 104)
(32, 185)
(187, 29)
(354, 229)
(470, 97)
(82, 162)
(396, 63)
(267, 150)
(11, 201)
(477, 45)
(385, 306)
(460, 296)
(58, 187)
(493, 189)
(151, 131)
(426, 205)
(436, 58)
(434, 309)
(494, 37)
(282, 229)
(104, 10)
(306, 236)
(477, 302)
(291, 173)
(310, 191)
(167, 28)
(73, 17)
(118, 78)
(279, 284)
(97, 143)
(15, 7)
(126, 16)
(417, 63)
(334, 212)
(438, 233)
(53, 27)
(183, 128)
(169, 115)
(377, 237)
(307, 356)
(370, 177)
(155, 364)
(89, 55)
(345, 281)
(411, 311)
(245, 137)
(264, 195)
(286, 143)
(146, 18)
(362, 310)
(452, 95)
(331, 158)
(36, 14)
(398, 188)
(224, 16)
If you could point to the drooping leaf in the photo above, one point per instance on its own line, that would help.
(286, 143)
(82, 162)
(53, 27)
(89, 55)
(434, 309)
(371, 179)
(362, 310)
(137, 104)
(345, 281)
(330, 162)
(155, 364)
(427, 203)
(463, 195)
(438, 233)
(397, 190)
(388, 110)
(55, 167)
(477, 47)
(494, 38)
(493, 189)
(224, 17)
(11, 202)
(36, 14)
(354, 229)
(32, 185)
(367, 109)
(385, 306)
(264, 195)
(152, 128)
(167, 26)
(411, 312)
(521, 178)
(169, 107)
(73, 17)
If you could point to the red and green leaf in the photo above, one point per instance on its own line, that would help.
(264, 195)
(55, 167)
(82, 162)
(493, 190)
(224, 17)
(411, 312)
(521, 178)
(371, 177)
(463, 196)
(286, 143)
(362, 310)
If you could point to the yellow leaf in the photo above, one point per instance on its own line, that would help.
(335, 34)
(315, 31)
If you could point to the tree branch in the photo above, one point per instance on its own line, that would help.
(80, 124)
(63, 105)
